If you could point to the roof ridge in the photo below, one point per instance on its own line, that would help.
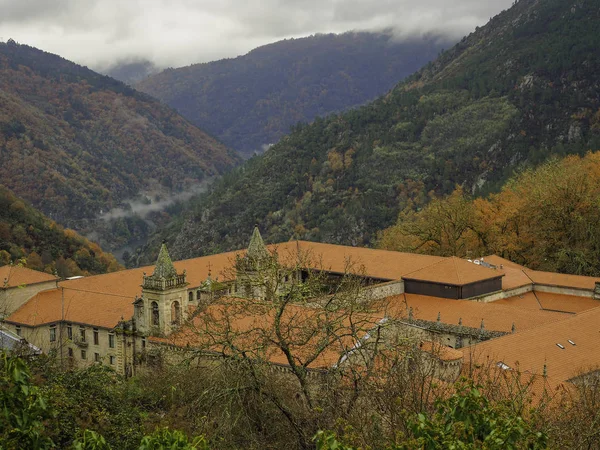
(444, 258)
(454, 258)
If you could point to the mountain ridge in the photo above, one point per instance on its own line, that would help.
(511, 94)
(250, 101)
(74, 142)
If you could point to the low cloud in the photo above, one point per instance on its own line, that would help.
(174, 33)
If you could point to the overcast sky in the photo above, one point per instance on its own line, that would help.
(180, 32)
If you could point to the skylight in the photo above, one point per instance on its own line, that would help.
(571, 342)
(501, 365)
(562, 347)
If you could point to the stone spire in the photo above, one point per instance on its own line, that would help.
(164, 266)
(257, 249)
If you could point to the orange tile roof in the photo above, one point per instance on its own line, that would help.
(528, 300)
(50, 306)
(249, 326)
(529, 350)
(514, 277)
(496, 317)
(454, 271)
(380, 264)
(567, 303)
(500, 261)
(383, 264)
(13, 276)
(440, 351)
(562, 280)
(550, 302)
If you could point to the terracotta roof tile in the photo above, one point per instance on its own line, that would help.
(562, 280)
(453, 271)
(514, 277)
(531, 349)
(567, 303)
(380, 264)
(249, 326)
(383, 264)
(524, 301)
(499, 261)
(496, 317)
(77, 306)
(551, 302)
(442, 352)
(13, 276)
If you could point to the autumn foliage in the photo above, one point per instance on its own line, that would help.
(75, 143)
(545, 218)
(28, 237)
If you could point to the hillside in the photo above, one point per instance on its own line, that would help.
(28, 237)
(75, 143)
(511, 94)
(251, 101)
(544, 218)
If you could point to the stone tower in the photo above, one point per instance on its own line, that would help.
(253, 270)
(164, 302)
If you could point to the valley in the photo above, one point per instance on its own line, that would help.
(331, 226)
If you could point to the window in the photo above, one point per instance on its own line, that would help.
(18, 330)
(82, 333)
(143, 343)
(175, 313)
(97, 357)
(83, 354)
(112, 360)
(197, 295)
(96, 337)
(139, 311)
(70, 352)
(111, 340)
(191, 296)
(53, 333)
(70, 331)
(155, 314)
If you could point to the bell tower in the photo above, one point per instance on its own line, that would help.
(164, 302)
(254, 277)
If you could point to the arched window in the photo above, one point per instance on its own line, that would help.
(176, 313)
(139, 313)
(155, 314)
(197, 295)
(191, 296)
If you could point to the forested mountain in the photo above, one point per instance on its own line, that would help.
(251, 101)
(523, 87)
(28, 237)
(74, 143)
(544, 218)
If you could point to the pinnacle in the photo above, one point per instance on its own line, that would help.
(164, 266)
(257, 249)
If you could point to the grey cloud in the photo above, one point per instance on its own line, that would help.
(180, 32)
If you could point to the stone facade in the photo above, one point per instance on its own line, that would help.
(165, 300)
